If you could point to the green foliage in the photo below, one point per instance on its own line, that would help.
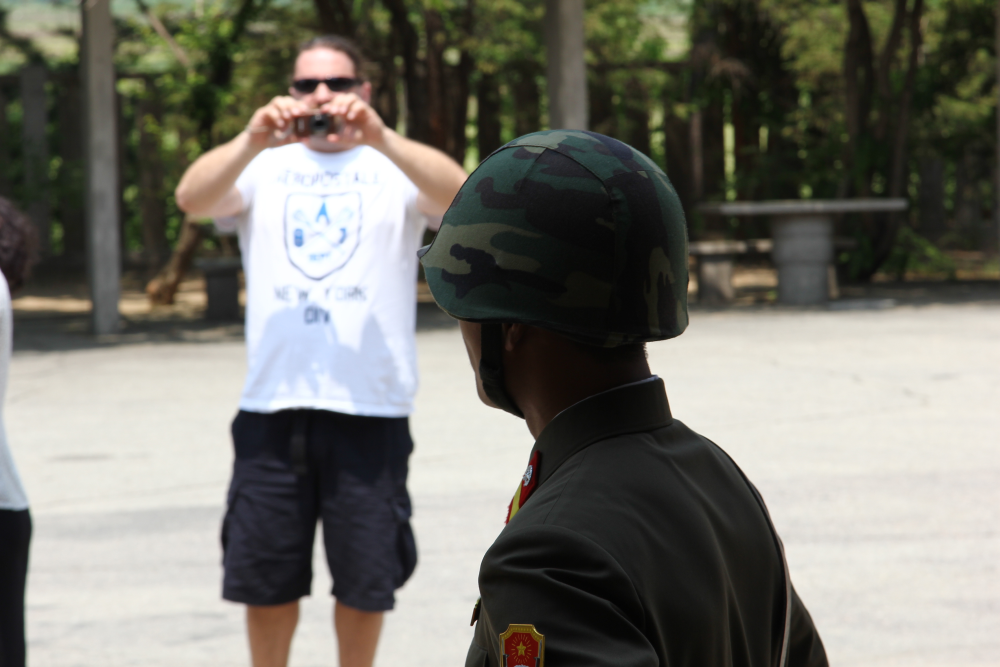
(768, 71)
(913, 253)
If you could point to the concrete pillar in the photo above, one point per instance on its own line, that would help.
(101, 165)
(566, 71)
(803, 249)
(36, 150)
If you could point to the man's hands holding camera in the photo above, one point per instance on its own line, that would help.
(347, 120)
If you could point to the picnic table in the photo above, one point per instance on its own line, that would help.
(802, 243)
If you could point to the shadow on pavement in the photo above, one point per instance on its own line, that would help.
(55, 331)
(52, 332)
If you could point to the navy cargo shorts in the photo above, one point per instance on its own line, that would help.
(296, 467)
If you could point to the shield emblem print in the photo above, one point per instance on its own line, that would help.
(522, 645)
(321, 231)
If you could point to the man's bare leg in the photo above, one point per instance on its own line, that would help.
(357, 635)
(270, 630)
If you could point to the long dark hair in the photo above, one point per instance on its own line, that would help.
(342, 44)
(18, 244)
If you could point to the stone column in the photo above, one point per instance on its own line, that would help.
(36, 150)
(566, 70)
(803, 248)
(101, 177)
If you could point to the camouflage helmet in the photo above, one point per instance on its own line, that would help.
(570, 231)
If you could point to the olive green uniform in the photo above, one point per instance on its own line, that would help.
(633, 541)
(643, 544)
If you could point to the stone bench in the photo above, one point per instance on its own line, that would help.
(714, 261)
(803, 244)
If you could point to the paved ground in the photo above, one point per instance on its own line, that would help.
(874, 435)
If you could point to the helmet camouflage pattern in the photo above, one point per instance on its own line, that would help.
(570, 231)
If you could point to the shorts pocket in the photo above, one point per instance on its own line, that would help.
(406, 543)
(227, 519)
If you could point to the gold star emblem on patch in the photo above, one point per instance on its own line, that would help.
(522, 646)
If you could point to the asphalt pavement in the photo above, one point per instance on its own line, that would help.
(873, 433)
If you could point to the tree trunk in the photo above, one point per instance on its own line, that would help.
(437, 109)
(637, 116)
(458, 103)
(932, 213)
(601, 103)
(35, 152)
(162, 289)
(417, 123)
(527, 97)
(713, 149)
(70, 205)
(746, 141)
(335, 17)
(458, 90)
(677, 147)
(151, 195)
(878, 145)
(487, 115)
(385, 94)
(697, 143)
(858, 85)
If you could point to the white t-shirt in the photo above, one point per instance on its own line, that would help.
(329, 244)
(12, 496)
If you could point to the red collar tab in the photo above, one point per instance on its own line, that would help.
(527, 486)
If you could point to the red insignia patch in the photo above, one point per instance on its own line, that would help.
(522, 646)
(529, 480)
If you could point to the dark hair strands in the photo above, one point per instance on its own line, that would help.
(18, 244)
(343, 45)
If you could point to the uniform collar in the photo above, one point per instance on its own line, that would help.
(631, 408)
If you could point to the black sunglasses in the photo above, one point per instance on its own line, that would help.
(337, 84)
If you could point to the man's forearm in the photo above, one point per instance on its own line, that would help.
(434, 173)
(214, 174)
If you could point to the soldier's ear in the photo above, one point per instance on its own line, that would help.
(513, 334)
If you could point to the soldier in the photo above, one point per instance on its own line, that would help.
(631, 540)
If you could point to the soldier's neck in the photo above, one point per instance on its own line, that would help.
(545, 376)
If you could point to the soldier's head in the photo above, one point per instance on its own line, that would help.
(562, 255)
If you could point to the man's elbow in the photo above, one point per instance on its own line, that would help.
(183, 199)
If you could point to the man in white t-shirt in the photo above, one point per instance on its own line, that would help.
(329, 227)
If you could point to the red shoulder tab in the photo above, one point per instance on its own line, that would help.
(527, 486)
(530, 479)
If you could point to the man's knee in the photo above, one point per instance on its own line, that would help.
(272, 615)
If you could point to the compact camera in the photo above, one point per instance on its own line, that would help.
(317, 125)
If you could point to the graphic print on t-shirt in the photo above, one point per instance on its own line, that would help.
(321, 231)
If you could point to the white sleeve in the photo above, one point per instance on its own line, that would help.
(230, 223)
(247, 182)
(414, 216)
